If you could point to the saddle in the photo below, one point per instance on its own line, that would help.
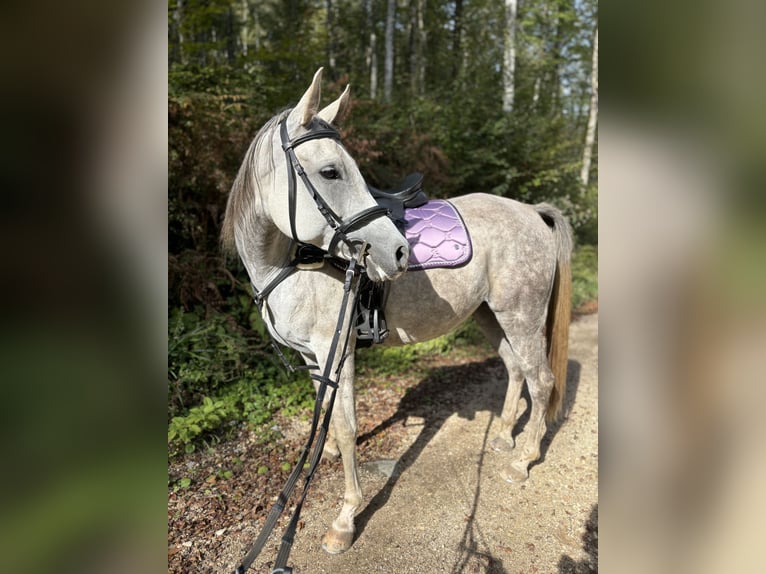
(408, 193)
(370, 321)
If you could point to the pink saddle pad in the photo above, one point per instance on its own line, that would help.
(437, 236)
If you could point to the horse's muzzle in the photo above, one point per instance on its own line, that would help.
(390, 266)
(402, 256)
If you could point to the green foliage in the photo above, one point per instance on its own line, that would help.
(584, 275)
(381, 361)
(231, 81)
(203, 357)
(219, 375)
(208, 136)
(198, 420)
(253, 401)
(582, 212)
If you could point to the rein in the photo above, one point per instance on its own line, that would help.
(280, 564)
(308, 256)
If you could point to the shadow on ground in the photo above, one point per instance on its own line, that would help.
(465, 390)
(590, 544)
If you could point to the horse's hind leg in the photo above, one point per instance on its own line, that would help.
(525, 359)
(512, 409)
(530, 352)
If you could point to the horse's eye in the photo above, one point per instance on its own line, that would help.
(329, 173)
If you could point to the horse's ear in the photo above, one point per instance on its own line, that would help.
(337, 111)
(308, 105)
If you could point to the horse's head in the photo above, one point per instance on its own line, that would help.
(311, 189)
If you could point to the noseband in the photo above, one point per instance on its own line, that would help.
(319, 130)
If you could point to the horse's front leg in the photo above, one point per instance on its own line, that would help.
(330, 451)
(341, 534)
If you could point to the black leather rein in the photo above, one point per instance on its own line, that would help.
(319, 432)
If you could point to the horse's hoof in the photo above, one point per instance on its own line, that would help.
(330, 456)
(514, 474)
(499, 444)
(335, 542)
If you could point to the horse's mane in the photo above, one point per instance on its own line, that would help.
(241, 203)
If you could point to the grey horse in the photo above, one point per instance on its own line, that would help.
(516, 285)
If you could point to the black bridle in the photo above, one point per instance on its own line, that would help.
(319, 130)
(306, 253)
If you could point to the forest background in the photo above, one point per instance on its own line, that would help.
(497, 96)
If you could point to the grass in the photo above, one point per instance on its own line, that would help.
(380, 362)
(584, 275)
(219, 377)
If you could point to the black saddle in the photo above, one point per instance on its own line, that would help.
(370, 321)
(408, 193)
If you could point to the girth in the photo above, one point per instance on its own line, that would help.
(370, 320)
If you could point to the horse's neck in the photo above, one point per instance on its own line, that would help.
(268, 249)
(268, 252)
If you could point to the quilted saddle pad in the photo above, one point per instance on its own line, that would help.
(437, 236)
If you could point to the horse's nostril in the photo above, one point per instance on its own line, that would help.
(401, 258)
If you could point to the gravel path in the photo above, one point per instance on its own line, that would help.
(437, 502)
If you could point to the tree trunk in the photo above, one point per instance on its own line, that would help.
(372, 52)
(178, 16)
(330, 40)
(214, 54)
(388, 78)
(231, 40)
(417, 48)
(256, 29)
(509, 55)
(536, 93)
(590, 133)
(421, 49)
(539, 66)
(555, 69)
(412, 28)
(457, 32)
(373, 65)
(244, 30)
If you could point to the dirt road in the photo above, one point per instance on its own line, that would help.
(438, 504)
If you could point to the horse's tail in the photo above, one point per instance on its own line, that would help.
(559, 306)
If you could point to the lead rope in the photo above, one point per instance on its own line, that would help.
(324, 382)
